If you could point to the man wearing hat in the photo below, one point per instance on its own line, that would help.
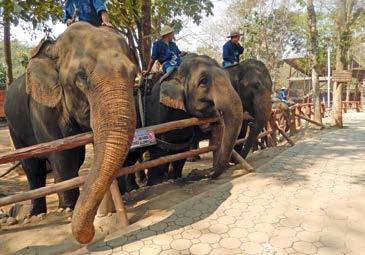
(165, 51)
(282, 95)
(232, 49)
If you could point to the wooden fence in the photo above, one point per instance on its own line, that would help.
(299, 113)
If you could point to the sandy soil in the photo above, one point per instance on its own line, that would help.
(51, 234)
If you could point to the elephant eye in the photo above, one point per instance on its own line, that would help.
(81, 75)
(203, 81)
(81, 79)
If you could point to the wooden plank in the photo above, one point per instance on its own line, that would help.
(78, 181)
(311, 121)
(242, 161)
(85, 138)
(118, 204)
(282, 132)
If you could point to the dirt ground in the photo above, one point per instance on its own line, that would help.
(51, 233)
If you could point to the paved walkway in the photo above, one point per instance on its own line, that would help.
(308, 200)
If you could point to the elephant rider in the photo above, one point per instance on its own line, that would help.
(91, 11)
(282, 95)
(166, 52)
(232, 49)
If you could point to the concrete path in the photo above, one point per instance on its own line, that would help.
(308, 200)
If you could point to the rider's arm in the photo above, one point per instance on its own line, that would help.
(100, 9)
(149, 67)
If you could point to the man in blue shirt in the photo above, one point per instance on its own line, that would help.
(91, 11)
(232, 49)
(282, 95)
(165, 51)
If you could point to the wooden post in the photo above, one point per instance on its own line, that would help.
(241, 161)
(344, 107)
(118, 204)
(292, 126)
(357, 106)
(297, 111)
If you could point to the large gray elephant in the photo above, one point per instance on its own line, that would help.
(252, 81)
(199, 88)
(82, 81)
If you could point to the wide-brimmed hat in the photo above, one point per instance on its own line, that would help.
(166, 30)
(234, 33)
(283, 88)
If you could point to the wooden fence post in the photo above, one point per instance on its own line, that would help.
(297, 120)
(292, 126)
(118, 204)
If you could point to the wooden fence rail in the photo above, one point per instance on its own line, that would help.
(298, 112)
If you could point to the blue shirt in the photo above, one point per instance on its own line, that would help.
(166, 53)
(88, 10)
(282, 95)
(232, 52)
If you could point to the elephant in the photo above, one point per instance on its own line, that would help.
(252, 81)
(81, 81)
(198, 88)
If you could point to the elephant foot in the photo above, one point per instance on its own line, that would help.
(132, 186)
(152, 182)
(194, 159)
(215, 173)
(37, 210)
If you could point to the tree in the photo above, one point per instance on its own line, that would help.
(313, 34)
(34, 11)
(348, 13)
(141, 20)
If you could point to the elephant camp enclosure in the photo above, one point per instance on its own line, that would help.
(274, 129)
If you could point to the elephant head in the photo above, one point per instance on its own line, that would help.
(204, 90)
(87, 76)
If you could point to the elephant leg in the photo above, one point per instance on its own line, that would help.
(194, 146)
(36, 172)
(177, 167)
(130, 180)
(66, 165)
(127, 183)
(156, 175)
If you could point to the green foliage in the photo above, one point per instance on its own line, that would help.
(2, 77)
(35, 12)
(19, 56)
(126, 13)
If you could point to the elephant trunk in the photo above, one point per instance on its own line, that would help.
(262, 108)
(228, 103)
(113, 121)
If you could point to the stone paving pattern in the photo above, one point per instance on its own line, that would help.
(308, 200)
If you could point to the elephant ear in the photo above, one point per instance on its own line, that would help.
(172, 94)
(42, 81)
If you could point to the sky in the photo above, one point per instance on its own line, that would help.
(188, 39)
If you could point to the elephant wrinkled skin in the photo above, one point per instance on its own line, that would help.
(80, 82)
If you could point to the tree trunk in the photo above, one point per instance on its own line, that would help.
(146, 27)
(7, 49)
(344, 11)
(312, 27)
